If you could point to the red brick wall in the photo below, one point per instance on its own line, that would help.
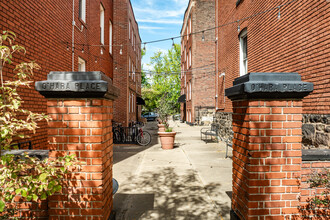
(297, 42)
(308, 167)
(266, 158)
(202, 78)
(83, 127)
(123, 13)
(43, 28)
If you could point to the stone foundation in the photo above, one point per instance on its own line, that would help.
(204, 115)
(224, 122)
(316, 131)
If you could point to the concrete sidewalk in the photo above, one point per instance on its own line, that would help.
(192, 181)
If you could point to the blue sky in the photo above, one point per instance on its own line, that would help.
(158, 19)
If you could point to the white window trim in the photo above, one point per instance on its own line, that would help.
(129, 103)
(129, 29)
(190, 57)
(190, 92)
(82, 10)
(243, 64)
(81, 65)
(110, 37)
(102, 23)
(129, 66)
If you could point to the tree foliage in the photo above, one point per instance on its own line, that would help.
(164, 80)
(25, 176)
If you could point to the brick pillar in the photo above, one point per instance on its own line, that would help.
(81, 106)
(267, 120)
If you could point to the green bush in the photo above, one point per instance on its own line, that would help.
(26, 176)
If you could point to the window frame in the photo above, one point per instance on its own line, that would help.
(110, 36)
(81, 63)
(243, 52)
(102, 27)
(82, 10)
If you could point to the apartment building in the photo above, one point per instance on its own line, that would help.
(273, 36)
(197, 63)
(59, 35)
(127, 63)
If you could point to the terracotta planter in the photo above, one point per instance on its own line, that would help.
(167, 139)
(161, 127)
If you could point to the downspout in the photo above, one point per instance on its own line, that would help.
(73, 24)
(216, 55)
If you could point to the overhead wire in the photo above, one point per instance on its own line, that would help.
(278, 7)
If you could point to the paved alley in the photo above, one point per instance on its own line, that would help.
(192, 181)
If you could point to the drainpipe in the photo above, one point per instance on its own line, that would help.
(216, 55)
(73, 24)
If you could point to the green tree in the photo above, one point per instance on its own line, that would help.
(165, 79)
(144, 79)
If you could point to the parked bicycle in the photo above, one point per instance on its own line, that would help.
(118, 133)
(132, 134)
(143, 138)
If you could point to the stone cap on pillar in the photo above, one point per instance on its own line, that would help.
(77, 85)
(269, 86)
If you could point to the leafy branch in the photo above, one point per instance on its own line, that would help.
(25, 176)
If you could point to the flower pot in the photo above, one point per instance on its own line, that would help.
(167, 139)
(161, 127)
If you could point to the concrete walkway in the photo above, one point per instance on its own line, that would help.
(192, 181)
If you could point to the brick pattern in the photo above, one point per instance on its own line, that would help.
(308, 167)
(83, 127)
(43, 27)
(266, 158)
(123, 13)
(201, 72)
(297, 42)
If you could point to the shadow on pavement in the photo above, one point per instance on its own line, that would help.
(168, 194)
(124, 151)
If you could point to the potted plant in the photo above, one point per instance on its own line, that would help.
(166, 134)
(167, 138)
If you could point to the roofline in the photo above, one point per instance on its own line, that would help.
(130, 4)
(188, 9)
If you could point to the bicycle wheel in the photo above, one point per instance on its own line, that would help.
(143, 138)
(116, 137)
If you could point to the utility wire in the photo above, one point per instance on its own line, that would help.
(193, 33)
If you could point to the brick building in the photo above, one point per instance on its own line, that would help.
(127, 63)
(45, 30)
(197, 62)
(289, 36)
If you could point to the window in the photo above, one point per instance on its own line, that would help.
(129, 103)
(110, 37)
(190, 56)
(102, 23)
(81, 65)
(243, 53)
(132, 102)
(190, 90)
(82, 10)
(129, 66)
(129, 29)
